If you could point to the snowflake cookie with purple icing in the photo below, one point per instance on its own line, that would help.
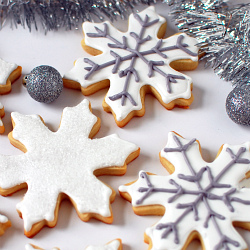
(134, 63)
(63, 165)
(197, 200)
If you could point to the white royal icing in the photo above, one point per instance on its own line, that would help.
(113, 245)
(1, 107)
(180, 89)
(30, 247)
(6, 69)
(61, 162)
(3, 219)
(211, 237)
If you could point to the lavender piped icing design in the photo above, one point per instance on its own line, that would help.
(124, 57)
(198, 196)
(135, 53)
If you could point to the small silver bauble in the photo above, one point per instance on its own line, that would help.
(44, 83)
(238, 105)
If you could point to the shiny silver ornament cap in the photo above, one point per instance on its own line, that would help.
(44, 84)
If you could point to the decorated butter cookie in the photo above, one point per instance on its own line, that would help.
(198, 200)
(1, 115)
(4, 224)
(63, 164)
(113, 245)
(33, 247)
(9, 72)
(135, 63)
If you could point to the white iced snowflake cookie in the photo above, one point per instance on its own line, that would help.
(33, 247)
(135, 63)
(198, 200)
(112, 245)
(4, 224)
(63, 164)
(9, 72)
(1, 115)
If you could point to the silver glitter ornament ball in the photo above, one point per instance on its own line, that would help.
(44, 83)
(238, 105)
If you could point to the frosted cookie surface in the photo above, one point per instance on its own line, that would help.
(135, 63)
(63, 164)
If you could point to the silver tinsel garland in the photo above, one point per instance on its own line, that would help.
(56, 14)
(223, 32)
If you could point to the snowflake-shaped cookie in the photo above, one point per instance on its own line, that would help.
(198, 200)
(4, 224)
(1, 115)
(135, 62)
(112, 245)
(9, 72)
(33, 247)
(63, 164)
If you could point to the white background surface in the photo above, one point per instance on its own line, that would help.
(206, 120)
